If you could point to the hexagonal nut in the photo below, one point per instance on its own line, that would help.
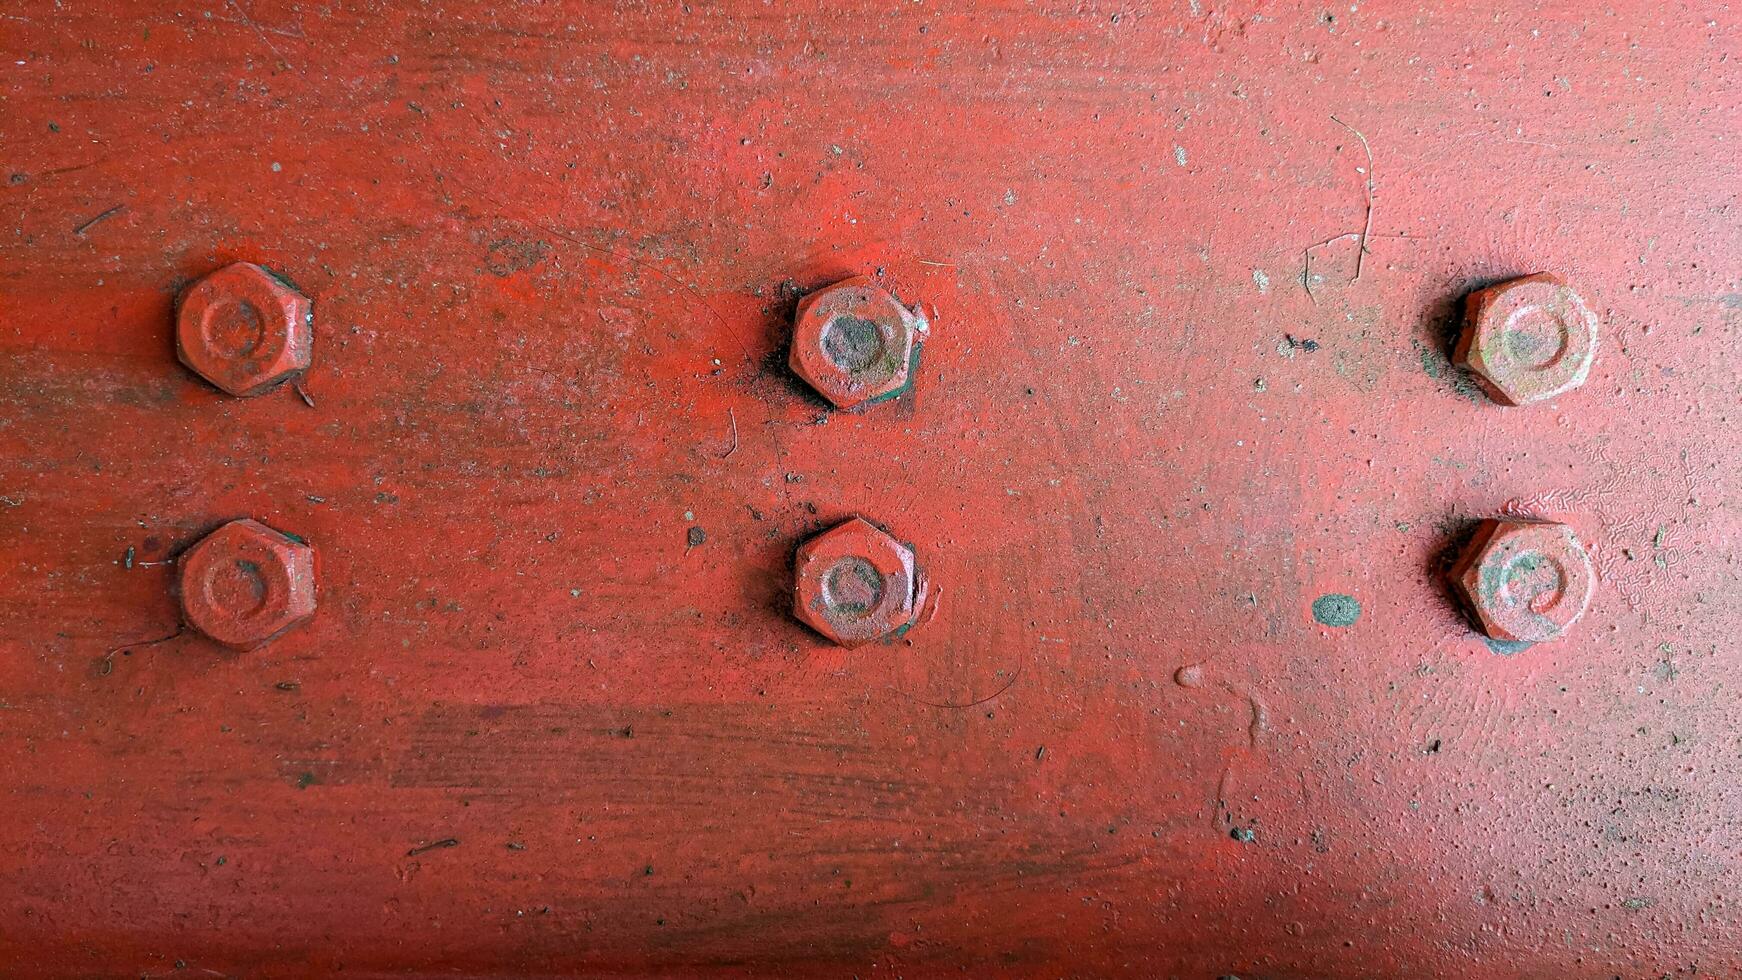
(1528, 340)
(856, 584)
(1524, 581)
(244, 329)
(245, 584)
(855, 343)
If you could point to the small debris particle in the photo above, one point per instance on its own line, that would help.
(515, 845)
(433, 846)
(1298, 344)
(1433, 747)
(127, 559)
(1244, 835)
(306, 780)
(1261, 279)
(88, 225)
(287, 685)
(695, 536)
(1040, 753)
(1179, 154)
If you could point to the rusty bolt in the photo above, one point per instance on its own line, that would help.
(244, 584)
(854, 342)
(1529, 339)
(1524, 581)
(857, 584)
(244, 329)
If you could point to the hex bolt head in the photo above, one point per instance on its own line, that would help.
(856, 584)
(244, 329)
(245, 584)
(1524, 581)
(854, 342)
(1528, 340)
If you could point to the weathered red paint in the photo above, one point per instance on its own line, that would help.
(244, 329)
(855, 343)
(854, 583)
(245, 584)
(1524, 581)
(555, 251)
(1529, 339)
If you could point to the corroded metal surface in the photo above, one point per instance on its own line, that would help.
(1186, 461)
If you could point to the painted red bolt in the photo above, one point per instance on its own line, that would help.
(245, 584)
(244, 329)
(1529, 339)
(855, 343)
(857, 584)
(1524, 581)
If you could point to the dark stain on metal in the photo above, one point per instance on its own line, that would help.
(1506, 648)
(1336, 609)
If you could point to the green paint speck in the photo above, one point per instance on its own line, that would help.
(1336, 609)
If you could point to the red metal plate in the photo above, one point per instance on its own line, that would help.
(1183, 466)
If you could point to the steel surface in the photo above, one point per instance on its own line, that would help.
(1185, 460)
